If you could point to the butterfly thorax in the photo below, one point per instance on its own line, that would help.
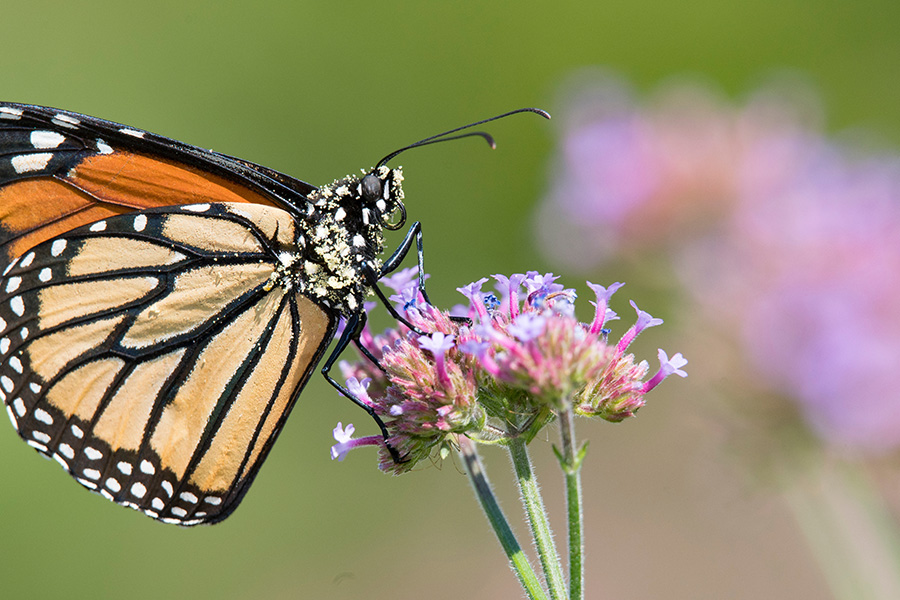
(340, 236)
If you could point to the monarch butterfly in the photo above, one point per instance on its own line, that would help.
(162, 306)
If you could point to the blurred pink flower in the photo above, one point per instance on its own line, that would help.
(788, 241)
(811, 267)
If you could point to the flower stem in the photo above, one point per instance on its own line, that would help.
(570, 460)
(517, 558)
(537, 518)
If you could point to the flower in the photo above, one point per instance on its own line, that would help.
(813, 309)
(506, 373)
(631, 177)
(343, 437)
(667, 366)
(345, 442)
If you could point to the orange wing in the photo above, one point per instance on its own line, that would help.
(60, 170)
(154, 355)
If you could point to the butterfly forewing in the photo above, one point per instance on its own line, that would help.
(60, 170)
(155, 355)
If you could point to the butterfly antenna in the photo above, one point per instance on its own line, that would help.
(447, 135)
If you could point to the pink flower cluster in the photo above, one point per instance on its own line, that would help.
(505, 372)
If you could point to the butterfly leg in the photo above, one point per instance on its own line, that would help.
(393, 263)
(352, 330)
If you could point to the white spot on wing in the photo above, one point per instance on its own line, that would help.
(61, 461)
(140, 222)
(77, 432)
(16, 364)
(46, 140)
(10, 113)
(57, 247)
(113, 484)
(138, 490)
(103, 147)
(168, 488)
(7, 384)
(43, 416)
(178, 511)
(92, 453)
(67, 451)
(40, 436)
(65, 121)
(98, 226)
(188, 497)
(17, 305)
(147, 467)
(12, 284)
(91, 474)
(26, 163)
(158, 504)
(196, 207)
(124, 467)
(26, 261)
(45, 275)
(19, 405)
(132, 132)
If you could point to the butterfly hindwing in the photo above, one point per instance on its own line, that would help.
(155, 355)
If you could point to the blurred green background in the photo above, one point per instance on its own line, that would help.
(320, 89)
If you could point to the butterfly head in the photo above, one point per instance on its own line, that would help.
(381, 192)
(344, 229)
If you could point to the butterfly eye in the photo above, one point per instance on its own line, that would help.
(371, 188)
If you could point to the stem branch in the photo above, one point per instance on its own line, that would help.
(570, 460)
(482, 487)
(537, 518)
